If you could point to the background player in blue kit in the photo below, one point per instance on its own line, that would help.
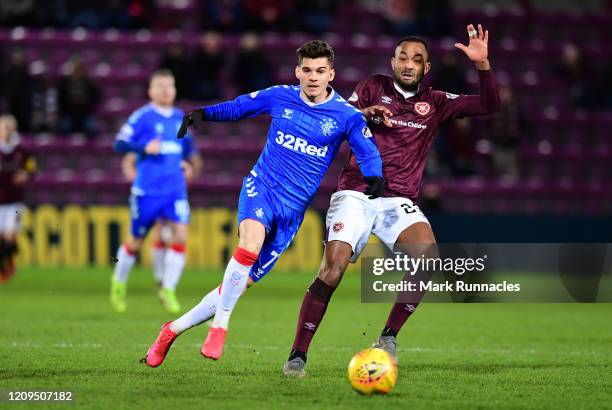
(159, 190)
(161, 232)
(309, 122)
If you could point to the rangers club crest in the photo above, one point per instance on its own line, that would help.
(328, 126)
(422, 108)
(338, 226)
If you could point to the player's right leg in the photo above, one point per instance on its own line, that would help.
(200, 313)
(143, 212)
(349, 221)
(317, 297)
(256, 216)
(158, 252)
(252, 236)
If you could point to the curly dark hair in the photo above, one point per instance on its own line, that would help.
(412, 39)
(316, 49)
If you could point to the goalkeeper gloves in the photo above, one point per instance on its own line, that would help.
(193, 118)
(375, 187)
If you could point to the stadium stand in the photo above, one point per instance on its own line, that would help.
(564, 152)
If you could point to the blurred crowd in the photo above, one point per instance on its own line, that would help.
(40, 103)
(68, 104)
(200, 74)
(95, 15)
(401, 17)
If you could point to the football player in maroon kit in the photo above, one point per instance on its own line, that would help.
(16, 168)
(404, 117)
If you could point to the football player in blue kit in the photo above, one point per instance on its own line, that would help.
(309, 123)
(159, 190)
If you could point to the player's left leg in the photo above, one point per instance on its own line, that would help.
(415, 238)
(143, 212)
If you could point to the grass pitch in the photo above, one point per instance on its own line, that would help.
(59, 333)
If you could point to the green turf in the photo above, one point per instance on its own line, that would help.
(59, 333)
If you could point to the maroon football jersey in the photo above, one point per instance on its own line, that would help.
(404, 147)
(13, 158)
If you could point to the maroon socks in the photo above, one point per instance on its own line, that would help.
(313, 308)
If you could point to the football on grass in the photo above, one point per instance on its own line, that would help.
(372, 371)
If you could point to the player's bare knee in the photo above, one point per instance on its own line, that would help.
(252, 235)
(179, 234)
(331, 272)
(251, 241)
(179, 239)
(134, 244)
(252, 246)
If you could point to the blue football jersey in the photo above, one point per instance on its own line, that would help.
(156, 174)
(303, 139)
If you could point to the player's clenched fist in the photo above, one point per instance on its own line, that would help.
(153, 147)
(377, 113)
(191, 119)
(375, 187)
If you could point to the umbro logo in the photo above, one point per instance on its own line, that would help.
(385, 99)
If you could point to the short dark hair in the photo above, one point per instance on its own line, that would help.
(412, 39)
(316, 49)
(162, 72)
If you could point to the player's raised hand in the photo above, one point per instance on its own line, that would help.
(477, 49)
(153, 147)
(191, 119)
(376, 113)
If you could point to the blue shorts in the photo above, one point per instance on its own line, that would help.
(146, 209)
(282, 223)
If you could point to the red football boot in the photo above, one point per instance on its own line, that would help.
(159, 349)
(213, 345)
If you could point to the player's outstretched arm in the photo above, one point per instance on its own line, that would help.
(245, 106)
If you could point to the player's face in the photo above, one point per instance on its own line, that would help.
(162, 91)
(410, 64)
(314, 75)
